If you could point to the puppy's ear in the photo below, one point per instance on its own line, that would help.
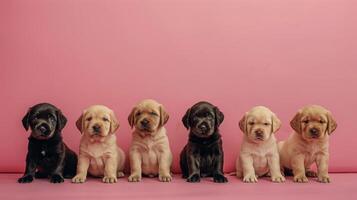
(186, 119)
(114, 124)
(131, 117)
(219, 116)
(295, 122)
(61, 120)
(243, 124)
(79, 123)
(25, 120)
(164, 116)
(331, 124)
(275, 123)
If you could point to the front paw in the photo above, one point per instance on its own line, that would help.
(250, 178)
(134, 178)
(323, 179)
(194, 178)
(301, 179)
(109, 179)
(278, 179)
(165, 177)
(79, 178)
(219, 178)
(56, 178)
(25, 179)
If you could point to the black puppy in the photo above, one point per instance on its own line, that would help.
(48, 155)
(203, 154)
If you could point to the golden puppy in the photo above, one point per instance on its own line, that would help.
(98, 152)
(150, 152)
(259, 154)
(308, 144)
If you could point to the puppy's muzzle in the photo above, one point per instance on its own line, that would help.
(96, 129)
(259, 134)
(43, 129)
(314, 132)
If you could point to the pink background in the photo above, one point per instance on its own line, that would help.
(236, 54)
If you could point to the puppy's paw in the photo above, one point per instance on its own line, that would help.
(278, 179)
(324, 179)
(301, 179)
(56, 178)
(194, 178)
(109, 179)
(134, 178)
(25, 179)
(250, 178)
(311, 174)
(120, 174)
(79, 178)
(165, 177)
(219, 178)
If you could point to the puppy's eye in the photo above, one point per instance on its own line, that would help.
(266, 124)
(105, 119)
(305, 121)
(153, 113)
(89, 118)
(322, 121)
(251, 123)
(138, 113)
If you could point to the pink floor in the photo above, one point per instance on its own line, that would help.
(344, 186)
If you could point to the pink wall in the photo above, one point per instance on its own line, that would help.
(237, 54)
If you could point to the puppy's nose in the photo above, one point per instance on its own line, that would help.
(314, 131)
(259, 133)
(144, 122)
(203, 127)
(42, 129)
(96, 128)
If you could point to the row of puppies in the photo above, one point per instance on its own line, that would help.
(150, 153)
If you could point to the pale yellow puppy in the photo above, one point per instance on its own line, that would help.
(98, 152)
(259, 154)
(308, 144)
(150, 152)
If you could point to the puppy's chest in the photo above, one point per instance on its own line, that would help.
(97, 150)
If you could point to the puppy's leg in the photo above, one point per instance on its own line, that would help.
(135, 165)
(165, 159)
(218, 175)
(239, 172)
(274, 167)
(110, 170)
(248, 169)
(322, 168)
(193, 162)
(29, 171)
(82, 169)
(297, 163)
(121, 162)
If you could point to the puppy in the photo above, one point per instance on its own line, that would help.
(150, 152)
(203, 154)
(98, 152)
(48, 155)
(308, 144)
(259, 154)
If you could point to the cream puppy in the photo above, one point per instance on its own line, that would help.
(308, 144)
(150, 152)
(98, 152)
(259, 154)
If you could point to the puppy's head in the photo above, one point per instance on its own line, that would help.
(97, 122)
(148, 116)
(203, 119)
(313, 122)
(44, 120)
(259, 123)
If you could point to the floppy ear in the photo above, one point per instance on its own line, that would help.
(331, 124)
(25, 120)
(114, 124)
(79, 123)
(186, 119)
(295, 122)
(219, 116)
(61, 120)
(243, 124)
(131, 117)
(276, 123)
(164, 116)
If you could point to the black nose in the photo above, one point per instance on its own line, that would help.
(96, 128)
(42, 129)
(203, 127)
(314, 131)
(144, 122)
(259, 133)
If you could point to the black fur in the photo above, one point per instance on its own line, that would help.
(203, 154)
(48, 155)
